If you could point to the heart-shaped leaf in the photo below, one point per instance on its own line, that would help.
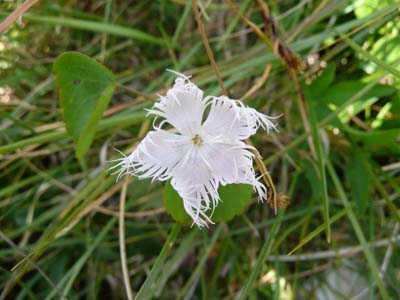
(85, 89)
(234, 199)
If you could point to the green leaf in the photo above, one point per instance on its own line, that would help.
(386, 138)
(387, 67)
(85, 89)
(311, 174)
(113, 29)
(321, 157)
(359, 185)
(234, 199)
(317, 231)
(364, 8)
(321, 84)
(338, 94)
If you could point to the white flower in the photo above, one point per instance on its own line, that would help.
(203, 150)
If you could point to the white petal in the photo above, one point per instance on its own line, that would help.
(232, 163)
(196, 210)
(197, 177)
(232, 119)
(156, 156)
(193, 180)
(182, 107)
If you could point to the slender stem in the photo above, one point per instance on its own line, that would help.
(18, 12)
(148, 284)
(266, 249)
(122, 247)
(207, 46)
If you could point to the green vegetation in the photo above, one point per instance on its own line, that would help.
(68, 230)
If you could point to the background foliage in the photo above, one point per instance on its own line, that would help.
(64, 212)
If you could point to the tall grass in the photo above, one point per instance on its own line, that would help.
(336, 154)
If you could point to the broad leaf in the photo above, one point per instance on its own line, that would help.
(85, 89)
(234, 199)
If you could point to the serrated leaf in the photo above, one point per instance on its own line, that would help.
(234, 199)
(85, 89)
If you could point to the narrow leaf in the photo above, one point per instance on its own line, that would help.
(113, 29)
(317, 231)
(321, 162)
(376, 60)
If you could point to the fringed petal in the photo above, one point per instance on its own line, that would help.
(155, 157)
(232, 119)
(182, 107)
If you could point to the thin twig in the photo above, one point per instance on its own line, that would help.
(122, 247)
(133, 215)
(207, 46)
(259, 83)
(256, 29)
(135, 92)
(22, 253)
(271, 190)
(309, 19)
(18, 12)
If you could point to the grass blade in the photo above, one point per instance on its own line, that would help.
(368, 55)
(358, 231)
(321, 167)
(148, 284)
(317, 231)
(261, 257)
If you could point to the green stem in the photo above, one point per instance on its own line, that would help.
(266, 249)
(148, 284)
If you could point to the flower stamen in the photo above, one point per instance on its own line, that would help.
(197, 140)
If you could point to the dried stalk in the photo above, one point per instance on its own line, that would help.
(18, 12)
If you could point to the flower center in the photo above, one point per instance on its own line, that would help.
(197, 140)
